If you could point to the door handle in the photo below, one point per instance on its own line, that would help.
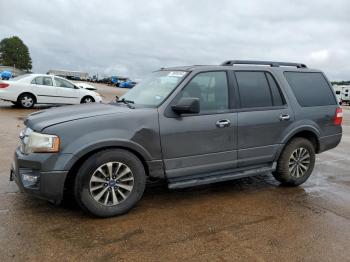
(284, 117)
(223, 123)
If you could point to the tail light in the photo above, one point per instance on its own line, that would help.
(3, 85)
(338, 117)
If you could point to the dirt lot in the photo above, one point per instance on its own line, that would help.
(251, 219)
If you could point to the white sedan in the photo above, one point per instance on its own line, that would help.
(27, 90)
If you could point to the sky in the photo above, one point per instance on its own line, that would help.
(133, 38)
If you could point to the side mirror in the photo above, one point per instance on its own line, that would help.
(187, 105)
(76, 87)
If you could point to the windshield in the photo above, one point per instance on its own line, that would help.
(152, 91)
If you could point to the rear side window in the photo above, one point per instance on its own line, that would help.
(258, 89)
(310, 89)
(42, 80)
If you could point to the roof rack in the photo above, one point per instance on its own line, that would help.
(270, 63)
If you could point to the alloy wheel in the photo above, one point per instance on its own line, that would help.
(299, 162)
(27, 101)
(111, 183)
(88, 100)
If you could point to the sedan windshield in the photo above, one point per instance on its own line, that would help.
(152, 91)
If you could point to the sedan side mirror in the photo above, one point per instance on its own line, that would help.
(187, 105)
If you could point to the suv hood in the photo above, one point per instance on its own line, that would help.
(45, 118)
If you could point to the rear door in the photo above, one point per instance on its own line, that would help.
(42, 87)
(262, 117)
(67, 93)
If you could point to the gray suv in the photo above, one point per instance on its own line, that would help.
(189, 126)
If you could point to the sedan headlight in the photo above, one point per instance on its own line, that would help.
(40, 143)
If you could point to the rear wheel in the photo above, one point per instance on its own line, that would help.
(110, 183)
(296, 162)
(26, 100)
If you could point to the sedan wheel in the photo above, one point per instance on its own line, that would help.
(26, 101)
(87, 100)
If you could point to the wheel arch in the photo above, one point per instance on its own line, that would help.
(85, 96)
(29, 93)
(74, 165)
(310, 133)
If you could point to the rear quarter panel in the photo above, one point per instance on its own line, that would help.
(318, 119)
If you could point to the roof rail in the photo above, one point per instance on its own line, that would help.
(270, 63)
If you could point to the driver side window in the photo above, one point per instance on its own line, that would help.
(212, 90)
(63, 83)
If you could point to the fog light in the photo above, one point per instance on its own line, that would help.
(29, 180)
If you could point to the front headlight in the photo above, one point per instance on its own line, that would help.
(42, 143)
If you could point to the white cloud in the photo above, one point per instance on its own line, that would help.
(320, 56)
(136, 37)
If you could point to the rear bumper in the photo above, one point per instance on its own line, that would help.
(329, 142)
(46, 185)
(7, 96)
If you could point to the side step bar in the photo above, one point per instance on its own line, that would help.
(224, 176)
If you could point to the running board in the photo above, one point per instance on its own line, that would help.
(224, 176)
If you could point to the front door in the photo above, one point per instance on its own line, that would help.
(66, 92)
(205, 142)
(262, 118)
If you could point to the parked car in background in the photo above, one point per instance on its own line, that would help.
(127, 84)
(189, 126)
(86, 86)
(28, 90)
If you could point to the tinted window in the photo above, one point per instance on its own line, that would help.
(211, 89)
(254, 89)
(310, 89)
(42, 80)
(63, 83)
(275, 91)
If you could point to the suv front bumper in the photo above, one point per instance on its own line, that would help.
(26, 172)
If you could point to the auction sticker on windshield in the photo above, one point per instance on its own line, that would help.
(176, 73)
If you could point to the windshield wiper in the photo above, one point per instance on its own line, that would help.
(127, 102)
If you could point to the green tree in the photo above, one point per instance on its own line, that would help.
(13, 52)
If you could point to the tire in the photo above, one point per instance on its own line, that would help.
(87, 99)
(26, 100)
(296, 162)
(94, 173)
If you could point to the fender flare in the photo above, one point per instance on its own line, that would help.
(295, 131)
(100, 145)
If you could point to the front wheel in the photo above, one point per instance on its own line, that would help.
(87, 99)
(296, 162)
(110, 183)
